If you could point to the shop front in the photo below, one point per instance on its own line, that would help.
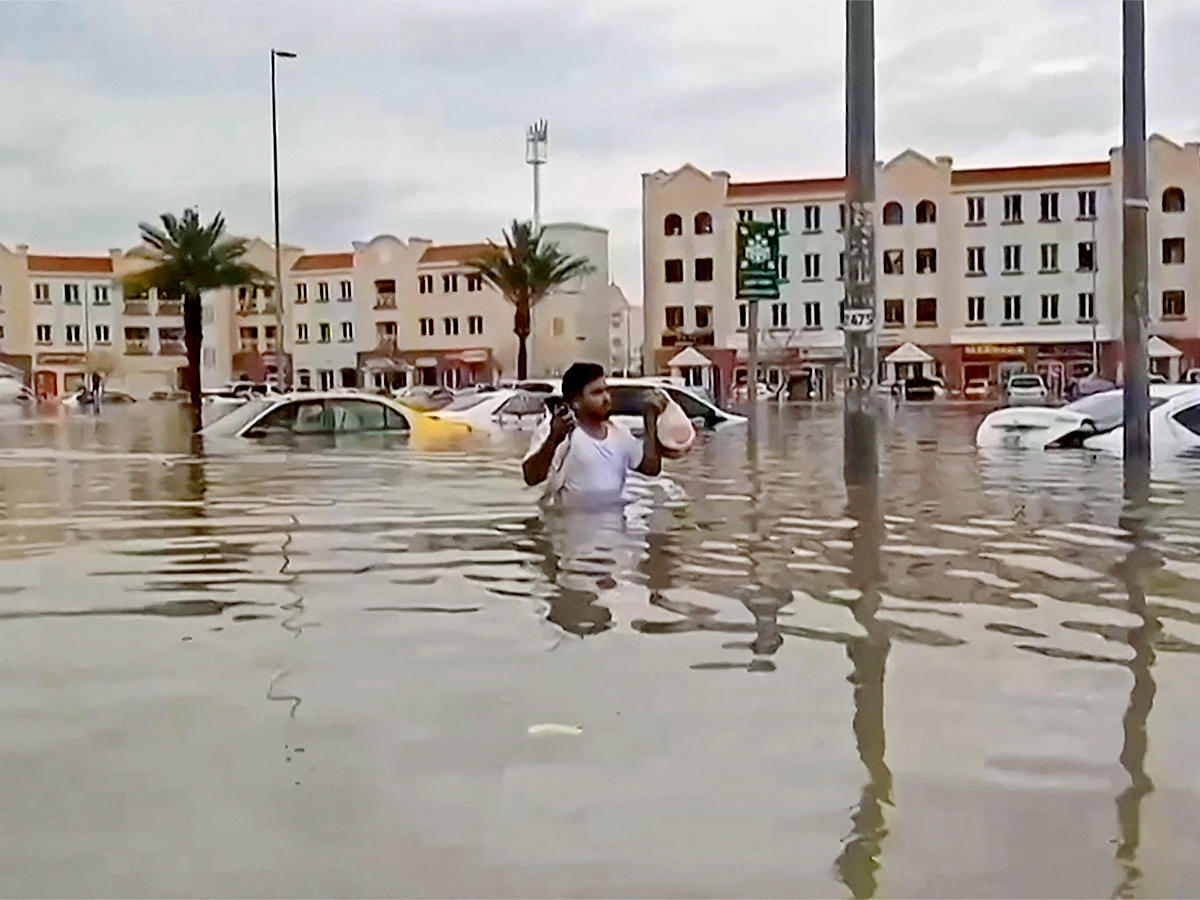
(993, 363)
(58, 374)
(392, 369)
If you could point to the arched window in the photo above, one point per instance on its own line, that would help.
(703, 223)
(672, 225)
(926, 211)
(893, 214)
(1173, 200)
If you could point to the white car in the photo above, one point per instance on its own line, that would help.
(1174, 427)
(1026, 389)
(313, 412)
(13, 390)
(1041, 428)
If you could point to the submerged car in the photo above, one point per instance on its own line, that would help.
(978, 389)
(1174, 427)
(313, 412)
(1077, 424)
(1026, 389)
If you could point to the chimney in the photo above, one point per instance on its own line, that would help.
(22, 249)
(946, 161)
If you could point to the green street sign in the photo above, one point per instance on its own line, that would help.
(757, 261)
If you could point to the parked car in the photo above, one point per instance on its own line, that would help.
(1191, 376)
(313, 412)
(13, 390)
(978, 389)
(1174, 428)
(172, 396)
(919, 388)
(1026, 389)
(83, 397)
(425, 398)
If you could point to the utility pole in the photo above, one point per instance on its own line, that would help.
(860, 461)
(537, 139)
(1134, 251)
(280, 378)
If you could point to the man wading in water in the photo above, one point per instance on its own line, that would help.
(582, 452)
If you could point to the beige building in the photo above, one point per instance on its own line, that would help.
(980, 272)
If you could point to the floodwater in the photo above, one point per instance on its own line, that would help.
(312, 670)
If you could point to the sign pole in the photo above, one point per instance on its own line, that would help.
(757, 279)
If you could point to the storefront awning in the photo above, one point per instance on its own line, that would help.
(908, 352)
(426, 362)
(475, 356)
(1160, 349)
(689, 358)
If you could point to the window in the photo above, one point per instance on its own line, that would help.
(425, 284)
(1012, 209)
(975, 261)
(975, 210)
(426, 327)
(893, 312)
(450, 325)
(450, 283)
(704, 269)
(745, 215)
(1087, 256)
(268, 333)
(302, 333)
(70, 293)
(842, 264)
(783, 267)
(74, 334)
(385, 332)
(975, 310)
(893, 262)
(1050, 206)
(1049, 307)
(926, 212)
(1087, 306)
(305, 378)
(926, 261)
(812, 314)
(103, 334)
(1087, 204)
(474, 324)
(41, 293)
(347, 291)
(841, 217)
(812, 218)
(1, 332)
(812, 266)
(1012, 308)
(927, 310)
(1173, 304)
(324, 333)
(1172, 251)
(43, 334)
(301, 293)
(673, 225)
(702, 224)
(1189, 418)
(322, 291)
(1172, 200)
(743, 315)
(703, 317)
(1012, 259)
(474, 282)
(1050, 257)
(674, 270)
(779, 217)
(208, 357)
(99, 295)
(674, 316)
(779, 315)
(893, 214)
(347, 331)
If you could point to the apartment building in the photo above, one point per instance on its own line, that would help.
(980, 272)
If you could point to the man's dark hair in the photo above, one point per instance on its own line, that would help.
(578, 377)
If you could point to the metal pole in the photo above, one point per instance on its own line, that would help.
(537, 197)
(860, 461)
(752, 353)
(1095, 269)
(281, 379)
(1134, 251)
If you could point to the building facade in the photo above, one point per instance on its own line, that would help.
(979, 272)
(386, 313)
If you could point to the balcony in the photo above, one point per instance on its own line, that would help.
(268, 308)
(171, 348)
(677, 337)
(248, 347)
(137, 307)
(137, 348)
(385, 300)
(170, 307)
(247, 309)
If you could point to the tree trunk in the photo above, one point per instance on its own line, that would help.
(521, 330)
(193, 333)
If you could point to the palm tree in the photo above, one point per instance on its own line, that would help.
(190, 258)
(525, 270)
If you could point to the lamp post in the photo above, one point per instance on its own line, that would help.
(537, 137)
(280, 379)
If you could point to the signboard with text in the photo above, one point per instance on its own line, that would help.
(757, 261)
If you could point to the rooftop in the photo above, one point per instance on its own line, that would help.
(70, 264)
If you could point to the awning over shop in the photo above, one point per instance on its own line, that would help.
(689, 358)
(1160, 349)
(475, 356)
(426, 362)
(908, 352)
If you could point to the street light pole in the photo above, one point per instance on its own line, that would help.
(537, 138)
(860, 456)
(280, 378)
(1134, 251)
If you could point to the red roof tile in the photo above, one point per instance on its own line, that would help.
(765, 190)
(454, 253)
(70, 264)
(1053, 172)
(316, 261)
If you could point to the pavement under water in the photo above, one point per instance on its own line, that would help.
(343, 667)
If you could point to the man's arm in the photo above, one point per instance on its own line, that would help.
(651, 463)
(537, 464)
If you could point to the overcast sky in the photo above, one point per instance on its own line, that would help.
(409, 117)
